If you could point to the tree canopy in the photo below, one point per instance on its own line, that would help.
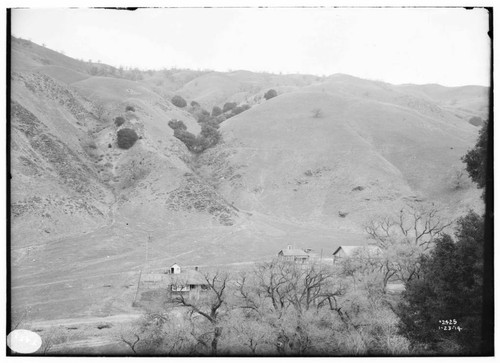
(476, 158)
(443, 306)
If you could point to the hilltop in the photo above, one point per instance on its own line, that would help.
(307, 167)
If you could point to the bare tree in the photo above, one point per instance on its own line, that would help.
(157, 333)
(278, 285)
(209, 307)
(132, 342)
(285, 295)
(404, 238)
(415, 225)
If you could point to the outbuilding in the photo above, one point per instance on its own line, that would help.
(342, 252)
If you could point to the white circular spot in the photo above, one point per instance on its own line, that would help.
(24, 341)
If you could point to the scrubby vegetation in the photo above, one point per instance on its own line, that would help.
(239, 109)
(444, 307)
(216, 111)
(208, 137)
(130, 108)
(270, 94)
(476, 158)
(278, 308)
(126, 138)
(476, 121)
(228, 106)
(349, 308)
(179, 101)
(177, 124)
(119, 121)
(202, 115)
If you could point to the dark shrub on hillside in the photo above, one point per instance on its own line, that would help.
(228, 106)
(203, 116)
(119, 121)
(126, 138)
(210, 133)
(186, 137)
(476, 121)
(130, 108)
(179, 101)
(220, 118)
(177, 125)
(270, 94)
(239, 109)
(208, 137)
(216, 111)
(195, 104)
(211, 122)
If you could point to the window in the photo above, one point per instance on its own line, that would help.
(181, 287)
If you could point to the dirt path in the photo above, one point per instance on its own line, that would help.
(120, 318)
(85, 343)
(133, 270)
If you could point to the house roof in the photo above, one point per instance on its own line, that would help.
(350, 250)
(186, 277)
(294, 252)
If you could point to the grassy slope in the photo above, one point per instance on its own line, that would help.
(283, 161)
(287, 172)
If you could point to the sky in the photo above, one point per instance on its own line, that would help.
(448, 46)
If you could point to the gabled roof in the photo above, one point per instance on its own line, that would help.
(294, 252)
(186, 277)
(350, 250)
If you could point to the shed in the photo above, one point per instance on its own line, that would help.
(175, 269)
(351, 251)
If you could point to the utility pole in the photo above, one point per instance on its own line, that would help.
(147, 249)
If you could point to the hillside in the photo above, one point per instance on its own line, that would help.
(359, 156)
(306, 168)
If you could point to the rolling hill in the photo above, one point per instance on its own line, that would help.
(306, 168)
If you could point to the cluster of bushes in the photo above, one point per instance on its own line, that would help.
(217, 115)
(228, 106)
(177, 124)
(216, 111)
(120, 120)
(208, 137)
(231, 109)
